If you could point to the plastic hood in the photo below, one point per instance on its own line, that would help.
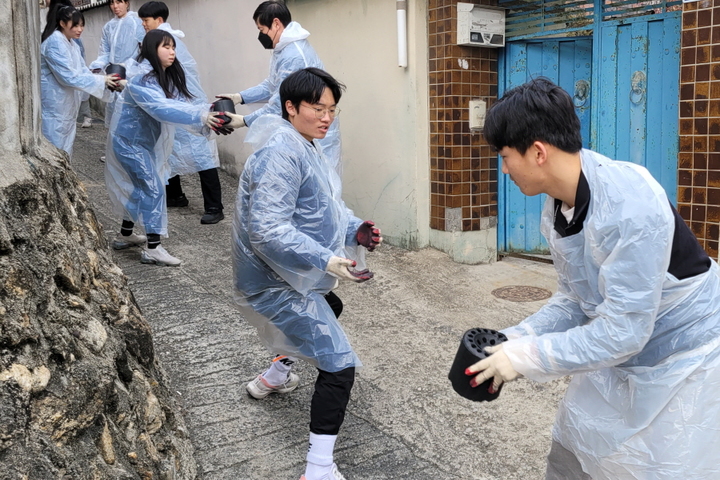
(264, 128)
(166, 26)
(292, 33)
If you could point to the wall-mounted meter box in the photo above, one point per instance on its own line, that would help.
(480, 26)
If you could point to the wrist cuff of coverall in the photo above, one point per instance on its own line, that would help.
(523, 355)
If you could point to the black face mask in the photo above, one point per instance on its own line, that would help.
(265, 40)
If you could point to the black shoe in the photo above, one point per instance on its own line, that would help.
(212, 217)
(180, 201)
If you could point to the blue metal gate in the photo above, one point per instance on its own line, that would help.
(567, 62)
(638, 73)
(620, 62)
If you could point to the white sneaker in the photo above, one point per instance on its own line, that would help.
(158, 256)
(333, 475)
(102, 159)
(87, 122)
(260, 388)
(122, 242)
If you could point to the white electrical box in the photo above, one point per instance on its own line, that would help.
(480, 26)
(477, 109)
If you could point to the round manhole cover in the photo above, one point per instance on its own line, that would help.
(521, 293)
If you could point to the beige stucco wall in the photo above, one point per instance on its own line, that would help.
(384, 111)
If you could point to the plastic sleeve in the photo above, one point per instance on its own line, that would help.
(151, 98)
(258, 93)
(630, 283)
(61, 65)
(286, 65)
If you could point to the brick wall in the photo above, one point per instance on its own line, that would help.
(463, 168)
(699, 158)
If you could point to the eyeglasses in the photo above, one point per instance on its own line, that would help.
(320, 112)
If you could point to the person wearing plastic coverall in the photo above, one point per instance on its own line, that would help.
(64, 79)
(292, 234)
(119, 42)
(153, 102)
(191, 153)
(291, 52)
(636, 318)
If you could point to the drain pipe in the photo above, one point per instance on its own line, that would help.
(402, 33)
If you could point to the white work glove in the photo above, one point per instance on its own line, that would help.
(121, 84)
(235, 97)
(111, 81)
(340, 268)
(236, 121)
(497, 366)
(212, 122)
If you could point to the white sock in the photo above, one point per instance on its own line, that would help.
(279, 370)
(319, 456)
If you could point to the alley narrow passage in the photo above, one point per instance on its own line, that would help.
(404, 421)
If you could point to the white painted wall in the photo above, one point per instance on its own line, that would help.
(384, 111)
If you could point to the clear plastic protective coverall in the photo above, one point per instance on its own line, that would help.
(120, 42)
(140, 142)
(289, 220)
(64, 80)
(191, 153)
(292, 53)
(643, 347)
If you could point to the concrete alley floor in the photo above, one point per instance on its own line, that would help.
(404, 420)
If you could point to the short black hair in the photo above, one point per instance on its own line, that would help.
(271, 9)
(538, 110)
(154, 10)
(308, 85)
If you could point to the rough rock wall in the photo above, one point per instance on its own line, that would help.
(81, 393)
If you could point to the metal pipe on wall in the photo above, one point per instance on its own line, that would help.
(401, 6)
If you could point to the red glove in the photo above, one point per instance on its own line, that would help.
(362, 275)
(368, 236)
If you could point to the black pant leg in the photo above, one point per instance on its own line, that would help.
(210, 184)
(174, 188)
(332, 390)
(329, 402)
(335, 303)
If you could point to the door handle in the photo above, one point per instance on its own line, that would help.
(582, 93)
(638, 87)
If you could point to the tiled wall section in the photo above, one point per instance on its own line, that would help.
(699, 160)
(463, 169)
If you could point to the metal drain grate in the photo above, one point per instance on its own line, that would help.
(521, 293)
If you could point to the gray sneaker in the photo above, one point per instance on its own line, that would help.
(158, 256)
(122, 242)
(260, 388)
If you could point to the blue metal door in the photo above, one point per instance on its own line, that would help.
(632, 113)
(567, 62)
(638, 85)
